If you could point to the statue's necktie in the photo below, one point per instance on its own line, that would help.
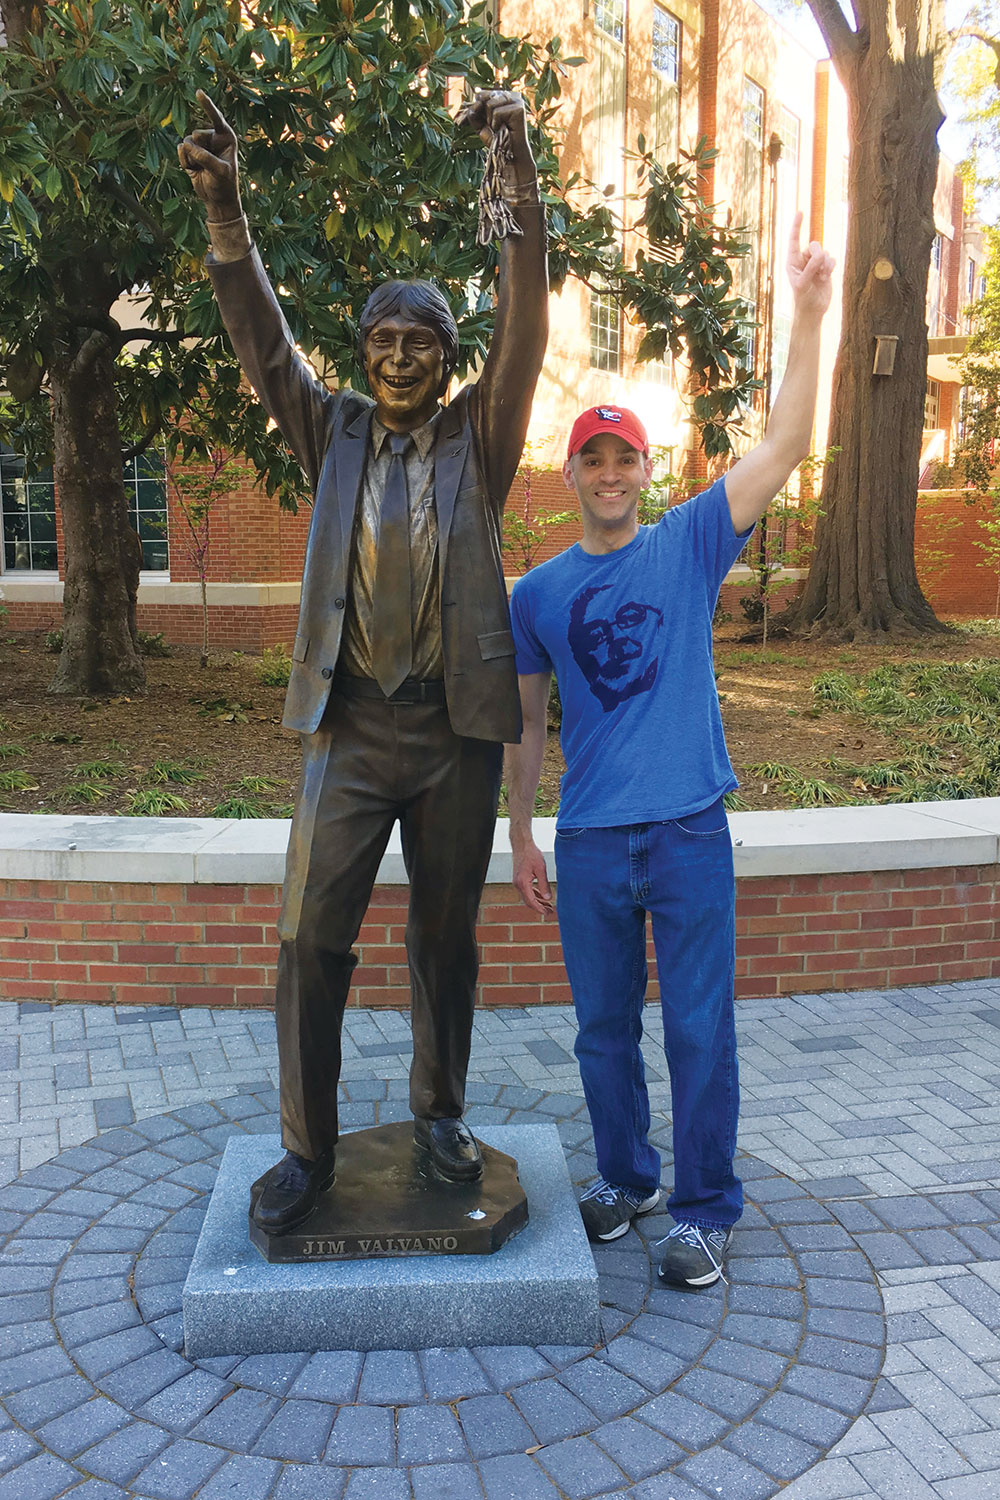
(392, 631)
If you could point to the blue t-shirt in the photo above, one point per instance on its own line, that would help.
(629, 635)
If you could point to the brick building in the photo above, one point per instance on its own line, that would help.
(724, 70)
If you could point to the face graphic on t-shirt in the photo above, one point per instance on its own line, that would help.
(615, 652)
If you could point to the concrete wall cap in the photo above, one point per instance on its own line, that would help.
(221, 851)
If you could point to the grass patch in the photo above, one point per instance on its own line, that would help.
(87, 792)
(239, 807)
(225, 710)
(17, 781)
(162, 771)
(765, 658)
(99, 770)
(260, 786)
(944, 717)
(154, 802)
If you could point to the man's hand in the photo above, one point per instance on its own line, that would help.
(531, 879)
(209, 159)
(488, 112)
(810, 273)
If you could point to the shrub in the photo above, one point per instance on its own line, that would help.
(274, 666)
(153, 645)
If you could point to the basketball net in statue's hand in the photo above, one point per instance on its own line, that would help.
(496, 222)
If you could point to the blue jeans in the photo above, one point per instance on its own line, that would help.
(681, 872)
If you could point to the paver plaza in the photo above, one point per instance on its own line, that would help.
(854, 1352)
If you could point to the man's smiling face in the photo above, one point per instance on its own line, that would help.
(404, 362)
(608, 476)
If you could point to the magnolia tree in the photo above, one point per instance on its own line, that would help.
(356, 172)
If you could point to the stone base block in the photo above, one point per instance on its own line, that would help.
(539, 1288)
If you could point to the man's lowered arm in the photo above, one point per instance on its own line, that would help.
(523, 769)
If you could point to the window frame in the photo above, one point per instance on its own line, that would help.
(45, 479)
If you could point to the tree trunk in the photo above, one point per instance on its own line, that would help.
(99, 654)
(863, 581)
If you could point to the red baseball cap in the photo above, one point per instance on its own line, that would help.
(617, 419)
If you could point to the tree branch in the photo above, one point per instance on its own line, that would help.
(832, 22)
(92, 346)
(129, 201)
(992, 42)
(151, 335)
(135, 449)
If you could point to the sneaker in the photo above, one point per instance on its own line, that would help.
(695, 1255)
(607, 1210)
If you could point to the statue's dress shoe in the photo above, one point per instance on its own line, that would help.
(453, 1150)
(290, 1191)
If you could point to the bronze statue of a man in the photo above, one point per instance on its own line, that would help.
(403, 686)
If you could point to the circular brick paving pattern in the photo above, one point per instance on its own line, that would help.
(734, 1390)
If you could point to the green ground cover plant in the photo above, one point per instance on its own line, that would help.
(944, 717)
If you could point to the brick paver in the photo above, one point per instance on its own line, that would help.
(854, 1354)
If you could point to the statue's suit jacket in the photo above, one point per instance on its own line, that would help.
(477, 448)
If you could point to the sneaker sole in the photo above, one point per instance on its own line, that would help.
(645, 1207)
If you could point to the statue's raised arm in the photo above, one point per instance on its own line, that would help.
(209, 157)
(507, 385)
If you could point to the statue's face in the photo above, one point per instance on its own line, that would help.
(404, 362)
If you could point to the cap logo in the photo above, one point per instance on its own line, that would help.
(608, 414)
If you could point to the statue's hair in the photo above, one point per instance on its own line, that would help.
(417, 299)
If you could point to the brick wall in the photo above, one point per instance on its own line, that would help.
(215, 944)
(241, 627)
(952, 569)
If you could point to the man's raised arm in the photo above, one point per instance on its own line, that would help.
(507, 385)
(753, 482)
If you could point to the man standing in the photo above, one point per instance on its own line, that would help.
(403, 685)
(625, 619)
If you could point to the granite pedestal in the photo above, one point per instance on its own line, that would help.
(538, 1288)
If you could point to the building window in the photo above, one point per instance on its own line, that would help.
(666, 91)
(28, 513)
(609, 17)
(934, 288)
(608, 121)
(748, 206)
(932, 406)
(146, 497)
(27, 517)
(656, 371)
(781, 333)
(605, 332)
(786, 190)
(753, 113)
(789, 130)
(970, 281)
(748, 328)
(666, 45)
